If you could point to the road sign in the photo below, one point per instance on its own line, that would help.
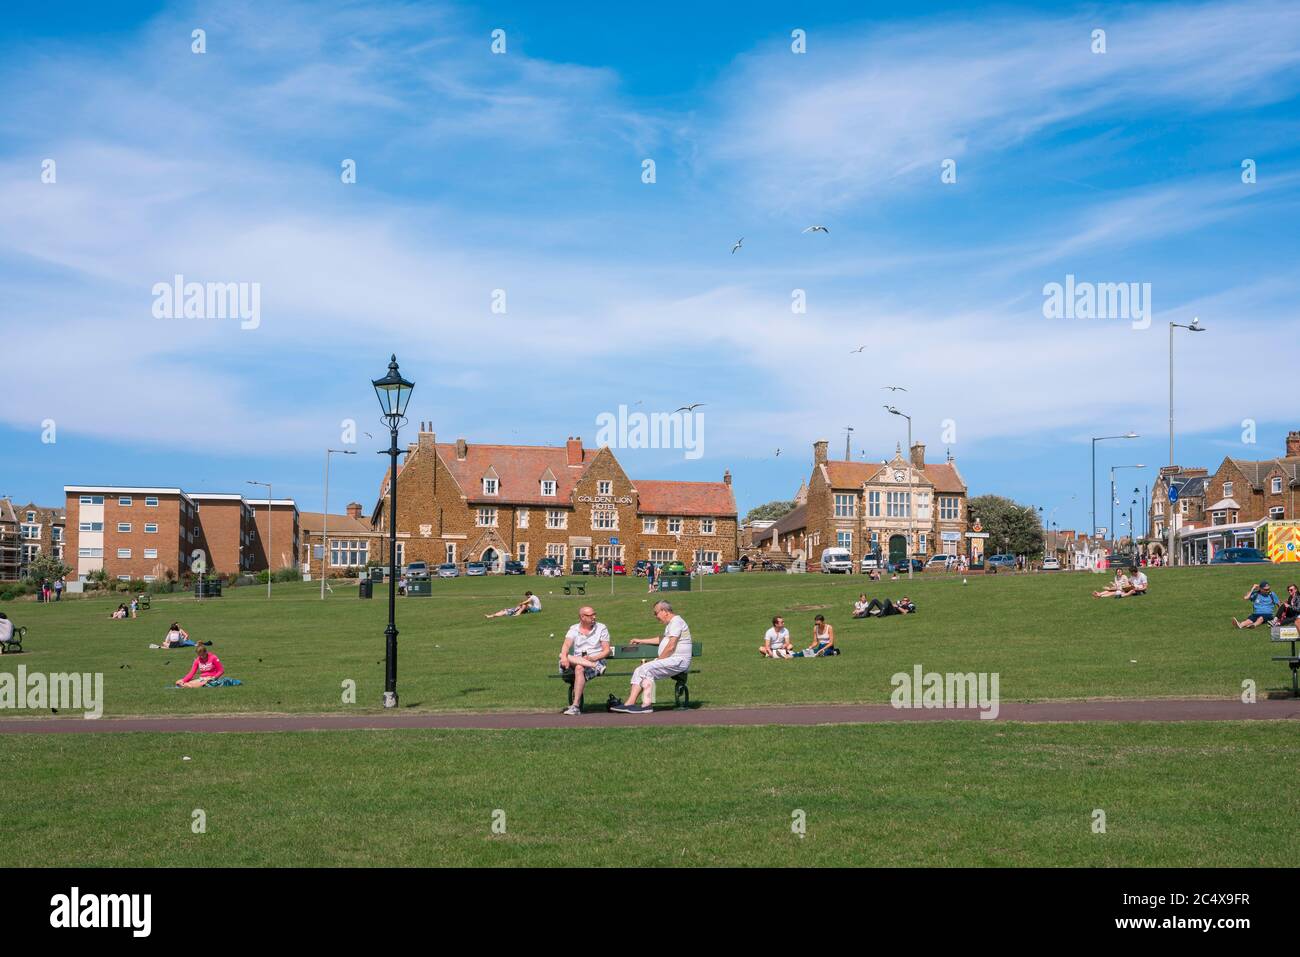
(613, 541)
(1173, 492)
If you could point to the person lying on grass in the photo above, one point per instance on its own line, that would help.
(904, 606)
(823, 645)
(177, 637)
(776, 643)
(531, 603)
(585, 646)
(1264, 606)
(1116, 589)
(207, 666)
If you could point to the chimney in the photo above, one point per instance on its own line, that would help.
(426, 439)
(726, 477)
(354, 509)
(1292, 444)
(918, 455)
(573, 448)
(461, 450)
(819, 451)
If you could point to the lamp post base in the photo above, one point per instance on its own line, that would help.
(390, 699)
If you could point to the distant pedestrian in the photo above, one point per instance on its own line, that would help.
(58, 590)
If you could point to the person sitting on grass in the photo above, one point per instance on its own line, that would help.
(207, 667)
(1264, 606)
(581, 656)
(673, 658)
(1116, 589)
(776, 643)
(1137, 581)
(531, 603)
(121, 614)
(177, 637)
(860, 607)
(823, 645)
(1289, 611)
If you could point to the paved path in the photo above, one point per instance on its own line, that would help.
(1048, 711)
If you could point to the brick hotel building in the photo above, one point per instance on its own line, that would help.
(459, 502)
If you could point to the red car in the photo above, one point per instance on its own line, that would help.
(619, 569)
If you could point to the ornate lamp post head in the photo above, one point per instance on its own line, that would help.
(394, 393)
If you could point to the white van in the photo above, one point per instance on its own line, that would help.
(836, 560)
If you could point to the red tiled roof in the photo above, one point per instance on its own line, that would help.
(519, 471)
(685, 498)
(942, 475)
(310, 523)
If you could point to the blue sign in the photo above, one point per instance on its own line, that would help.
(613, 541)
(1173, 492)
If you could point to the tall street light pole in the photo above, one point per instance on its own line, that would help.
(1101, 438)
(1193, 326)
(325, 519)
(269, 523)
(1113, 500)
(911, 507)
(394, 393)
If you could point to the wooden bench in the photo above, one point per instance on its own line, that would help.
(640, 653)
(14, 645)
(575, 587)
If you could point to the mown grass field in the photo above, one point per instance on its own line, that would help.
(944, 794)
(1044, 635)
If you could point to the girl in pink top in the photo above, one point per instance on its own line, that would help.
(208, 668)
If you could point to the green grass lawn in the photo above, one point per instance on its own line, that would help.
(1044, 635)
(945, 794)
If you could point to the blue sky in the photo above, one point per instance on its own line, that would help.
(522, 172)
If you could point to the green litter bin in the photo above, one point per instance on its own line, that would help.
(674, 583)
(420, 588)
(367, 589)
(377, 573)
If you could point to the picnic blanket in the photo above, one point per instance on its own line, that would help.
(223, 682)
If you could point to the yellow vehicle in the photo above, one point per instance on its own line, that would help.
(1280, 541)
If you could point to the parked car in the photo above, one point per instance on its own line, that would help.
(734, 567)
(448, 570)
(836, 561)
(869, 562)
(1051, 565)
(900, 566)
(620, 568)
(515, 568)
(476, 568)
(1001, 561)
(1240, 556)
(549, 566)
(941, 562)
(417, 570)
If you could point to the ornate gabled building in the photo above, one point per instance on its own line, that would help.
(460, 502)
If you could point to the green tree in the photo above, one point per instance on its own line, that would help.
(46, 568)
(770, 510)
(1012, 527)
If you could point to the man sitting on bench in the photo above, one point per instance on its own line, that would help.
(531, 603)
(6, 629)
(674, 658)
(585, 647)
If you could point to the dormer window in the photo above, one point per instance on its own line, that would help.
(1277, 485)
(489, 486)
(548, 488)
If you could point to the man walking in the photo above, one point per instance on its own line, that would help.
(674, 657)
(585, 647)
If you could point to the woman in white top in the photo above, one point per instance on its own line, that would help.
(776, 643)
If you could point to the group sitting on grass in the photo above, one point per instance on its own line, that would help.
(531, 604)
(1267, 608)
(878, 609)
(1125, 585)
(178, 637)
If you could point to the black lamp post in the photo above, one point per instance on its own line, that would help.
(393, 392)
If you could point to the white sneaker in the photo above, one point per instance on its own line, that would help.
(573, 709)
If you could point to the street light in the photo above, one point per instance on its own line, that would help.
(1193, 326)
(267, 486)
(325, 519)
(848, 434)
(1101, 438)
(394, 393)
(911, 511)
(1114, 501)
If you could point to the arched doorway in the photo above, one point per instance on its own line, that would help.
(897, 548)
(490, 558)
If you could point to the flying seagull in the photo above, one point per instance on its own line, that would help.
(857, 350)
(817, 229)
(778, 453)
(688, 408)
(738, 245)
(894, 388)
